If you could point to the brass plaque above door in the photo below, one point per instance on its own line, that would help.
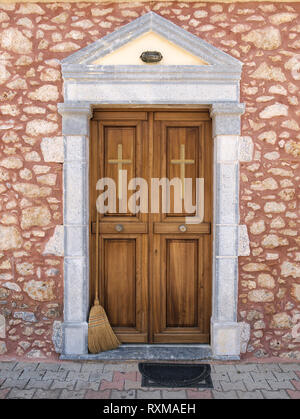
(155, 268)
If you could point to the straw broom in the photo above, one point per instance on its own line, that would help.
(101, 337)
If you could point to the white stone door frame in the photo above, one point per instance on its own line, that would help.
(217, 87)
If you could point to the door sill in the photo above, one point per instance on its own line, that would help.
(142, 352)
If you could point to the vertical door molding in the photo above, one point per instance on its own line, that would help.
(75, 129)
(225, 330)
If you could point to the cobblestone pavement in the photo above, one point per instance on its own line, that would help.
(102, 380)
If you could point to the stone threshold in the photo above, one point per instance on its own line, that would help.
(130, 352)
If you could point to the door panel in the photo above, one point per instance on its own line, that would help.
(181, 279)
(119, 281)
(179, 296)
(119, 141)
(182, 298)
(155, 270)
(122, 286)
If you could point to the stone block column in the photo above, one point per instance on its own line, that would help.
(225, 330)
(75, 129)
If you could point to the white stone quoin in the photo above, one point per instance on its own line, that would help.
(214, 86)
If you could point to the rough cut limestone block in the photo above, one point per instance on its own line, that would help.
(52, 149)
(55, 245)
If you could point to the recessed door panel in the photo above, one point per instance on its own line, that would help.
(181, 283)
(120, 281)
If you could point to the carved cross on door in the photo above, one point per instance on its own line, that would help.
(182, 161)
(120, 161)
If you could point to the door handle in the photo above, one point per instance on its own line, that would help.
(182, 228)
(119, 228)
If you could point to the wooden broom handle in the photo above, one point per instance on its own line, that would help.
(96, 302)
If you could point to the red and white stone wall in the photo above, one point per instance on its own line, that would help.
(34, 37)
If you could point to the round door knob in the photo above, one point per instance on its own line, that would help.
(182, 228)
(119, 227)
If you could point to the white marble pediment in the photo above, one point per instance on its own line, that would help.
(151, 32)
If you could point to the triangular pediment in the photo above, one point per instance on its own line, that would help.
(152, 32)
(130, 53)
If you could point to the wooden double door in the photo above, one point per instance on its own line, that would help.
(154, 268)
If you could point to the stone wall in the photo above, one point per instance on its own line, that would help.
(33, 39)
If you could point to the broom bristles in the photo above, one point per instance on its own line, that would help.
(101, 337)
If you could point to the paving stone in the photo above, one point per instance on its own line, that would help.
(3, 393)
(206, 394)
(121, 367)
(55, 375)
(42, 384)
(32, 374)
(115, 367)
(25, 366)
(258, 376)
(257, 385)
(250, 394)
(290, 367)
(47, 394)
(296, 384)
(129, 394)
(12, 383)
(132, 367)
(147, 394)
(70, 366)
(92, 367)
(224, 394)
(115, 385)
(48, 366)
(247, 368)
(236, 376)
(217, 385)
(220, 376)
(153, 388)
(67, 394)
(90, 394)
(238, 385)
(268, 367)
(13, 375)
(85, 385)
(280, 385)
(172, 394)
(223, 368)
(74, 375)
(281, 394)
(129, 384)
(283, 376)
(6, 365)
(293, 394)
(132, 376)
(59, 384)
(22, 366)
(97, 377)
(20, 394)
